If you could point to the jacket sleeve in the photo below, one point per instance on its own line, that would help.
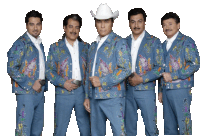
(15, 56)
(86, 86)
(51, 70)
(158, 61)
(123, 66)
(192, 59)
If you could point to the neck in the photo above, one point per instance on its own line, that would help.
(135, 36)
(71, 42)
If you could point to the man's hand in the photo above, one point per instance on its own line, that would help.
(87, 105)
(167, 77)
(69, 85)
(136, 80)
(95, 81)
(160, 97)
(37, 86)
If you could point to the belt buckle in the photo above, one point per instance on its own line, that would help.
(77, 82)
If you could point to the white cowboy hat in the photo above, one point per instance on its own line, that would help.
(104, 12)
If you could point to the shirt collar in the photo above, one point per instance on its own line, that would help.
(140, 37)
(33, 39)
(67, 43)
(98, 39)
(171, 40)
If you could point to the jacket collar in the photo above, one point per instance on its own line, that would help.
(178, 39)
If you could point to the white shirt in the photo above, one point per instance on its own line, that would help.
(100, 41)
(74, 51)
(37, 43)
(170, 41)
(134, 48)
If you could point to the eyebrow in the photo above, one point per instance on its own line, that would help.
(136, 20)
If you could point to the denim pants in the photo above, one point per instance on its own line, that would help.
(176, 108)
(111, 109)
(145, 100)
(64, 105)
(30, 114)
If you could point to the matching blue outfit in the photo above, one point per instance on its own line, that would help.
(108, 101)
(23, 68)
(149, 65)
(58, 71)
(181, 61)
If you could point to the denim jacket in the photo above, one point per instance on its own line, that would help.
(23, 65)
(149, 63)
(59, 65)
(181, 61)
(112, 67)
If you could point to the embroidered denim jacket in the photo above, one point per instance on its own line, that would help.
(23, 65)
(59, 65)
(112, 67)
(181, 61)
(149, 63)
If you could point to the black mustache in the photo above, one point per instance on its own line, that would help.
(73, 33)
(167, 30)
(136, 28)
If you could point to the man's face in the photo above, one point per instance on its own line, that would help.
(72, 30)
(34, 26)
(137, 24)
(170, 27)
(104, 27)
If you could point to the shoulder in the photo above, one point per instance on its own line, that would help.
(57, 44)
(19, 44)
(85, 44)
(153, 39)
(128, 37)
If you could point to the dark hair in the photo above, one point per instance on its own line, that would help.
(136, 11)
(33, 13)
(75, 17)
(170, 15)
(105, 19)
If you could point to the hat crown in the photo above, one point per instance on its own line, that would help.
(104, 11)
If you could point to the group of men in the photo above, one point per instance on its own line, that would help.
(109, 79)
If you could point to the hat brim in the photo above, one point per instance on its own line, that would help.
(114, 15)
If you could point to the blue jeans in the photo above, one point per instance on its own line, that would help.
(30, 114)
(103, 109)
(145, 100)
(63, 109)
(176, 109)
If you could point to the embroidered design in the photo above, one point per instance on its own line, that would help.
(187, 119)
(20, 131)
(64, 69)
(174, 63)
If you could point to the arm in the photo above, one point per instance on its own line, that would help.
(51, 70)
(123, 70)
(158, 61)
(15, 56)
(192, 61)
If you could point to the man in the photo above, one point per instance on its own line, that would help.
(147, 60)
(66, 69)
(108, 66)
(181, 62)
(26, 67)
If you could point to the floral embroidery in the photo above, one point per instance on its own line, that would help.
(20, 131)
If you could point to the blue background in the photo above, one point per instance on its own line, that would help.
(12, 22)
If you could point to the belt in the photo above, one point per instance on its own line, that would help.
(77, 82)
(42, 82)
